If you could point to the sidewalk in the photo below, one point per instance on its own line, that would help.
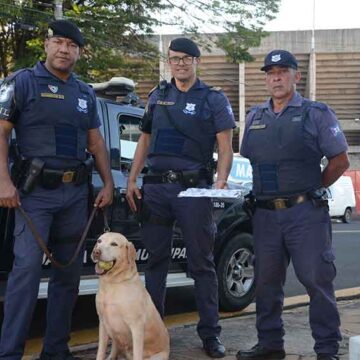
(239, 333)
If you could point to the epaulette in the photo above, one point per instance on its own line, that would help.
(85, 88)
(15, 74)
(319, 105)
(252, 109)
(215, 88)
(153, 89)
(161, 86)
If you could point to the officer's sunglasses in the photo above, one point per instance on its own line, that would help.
(175, 60)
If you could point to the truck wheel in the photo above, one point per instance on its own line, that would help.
(235, 272)
(346, 218)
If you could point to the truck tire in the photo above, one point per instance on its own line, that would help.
(346, 218)
(235, 272)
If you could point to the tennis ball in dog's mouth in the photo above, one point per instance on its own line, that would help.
(105, 265)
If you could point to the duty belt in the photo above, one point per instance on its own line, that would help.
(282, 203)
(170, 177)
(51, 178)
(186, 177)
(64, 176)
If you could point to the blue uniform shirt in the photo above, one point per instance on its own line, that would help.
(216, 109)
(284, 147)
(38, 94)
(322, 131)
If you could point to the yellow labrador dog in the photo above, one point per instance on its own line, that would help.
(126, 312)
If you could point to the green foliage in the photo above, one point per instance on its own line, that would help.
(18, 26)
(119, 33)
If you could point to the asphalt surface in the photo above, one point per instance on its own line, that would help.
(238, 332)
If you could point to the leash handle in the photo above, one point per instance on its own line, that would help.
(106, 223)
(43, 246)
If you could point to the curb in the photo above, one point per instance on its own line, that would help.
(87, 339)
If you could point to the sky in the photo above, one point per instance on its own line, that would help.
(329, 14)
(298, 15)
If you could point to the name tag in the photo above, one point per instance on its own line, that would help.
(52, 96)
(296, 119)
(166, 103)
(257, 127)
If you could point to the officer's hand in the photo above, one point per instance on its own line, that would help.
(9, 196)
(132, 190)
(105, 197)
(220, 184)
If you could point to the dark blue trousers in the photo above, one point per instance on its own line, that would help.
(301, 233)
(195, 219)
(64, 211)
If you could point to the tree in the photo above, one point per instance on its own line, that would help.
(120, 34)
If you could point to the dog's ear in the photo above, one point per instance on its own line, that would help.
(131, 253)
(92, 253)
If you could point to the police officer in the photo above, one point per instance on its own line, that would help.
(55, 120)
(183, 120)
(285, 139)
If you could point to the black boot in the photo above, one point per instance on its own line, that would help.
(213, 347)
(327, 357)
(61, 355)
(259, 352)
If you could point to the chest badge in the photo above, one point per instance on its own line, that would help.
(190, 109)
(54, 89)
(82, 105)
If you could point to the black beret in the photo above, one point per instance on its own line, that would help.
(185, 45)
(67, 29)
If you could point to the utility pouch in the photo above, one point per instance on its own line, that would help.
(190, 178)
(18, 172)
(210, 171)
(51, 179)
(143, 212)
(249, 204)
(319, 197)
(33, 172)
(84, 171)
(19, 164)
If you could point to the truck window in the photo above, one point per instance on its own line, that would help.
(129, 127)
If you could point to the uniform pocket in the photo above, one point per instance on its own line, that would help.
(328, 266)
(19, 229)
(328, 256)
